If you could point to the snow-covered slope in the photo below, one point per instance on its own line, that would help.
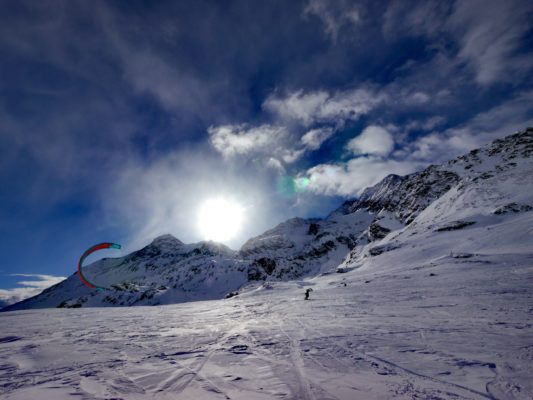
(446, 316)
(300, 247)
(491, 185)
(166, 271)
(481, 188)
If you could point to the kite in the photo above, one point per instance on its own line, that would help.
(90, 250)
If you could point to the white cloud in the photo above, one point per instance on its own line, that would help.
(334, 15)
(349, 105)
(505, 118)
(351, 178)
(314, 138)
(439, 147)
(496, 122)
(373, 140)
(297, 105)
(275, 164)
(414, 18)
(489, 32)
(29, 287)
(149, 71)
(274, 145)
(426, 124)
(281, 143)
(172, 88)
(267, 144)
(231, 140)
(418, 98)
(320, 106)
(291, 155)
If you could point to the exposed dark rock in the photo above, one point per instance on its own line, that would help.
(455, 226)
(322, 249)
(376, 231)
(512, 207)
(313, 229)
(256, 273)
(377, 250)
(267, 264)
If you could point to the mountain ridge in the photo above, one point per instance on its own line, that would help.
(168, 270)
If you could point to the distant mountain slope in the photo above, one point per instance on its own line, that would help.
(480, 188)
(494, 187)
(407, 196)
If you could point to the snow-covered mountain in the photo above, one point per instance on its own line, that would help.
(434, 300)
(480, 189)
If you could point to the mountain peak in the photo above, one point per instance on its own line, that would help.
(488, 185)
(166, 240)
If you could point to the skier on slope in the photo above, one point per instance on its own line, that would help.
(307, 293)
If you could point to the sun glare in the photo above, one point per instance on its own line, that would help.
(220, 219)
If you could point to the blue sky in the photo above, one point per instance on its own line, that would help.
(118, 118)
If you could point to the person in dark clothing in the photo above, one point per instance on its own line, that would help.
(307, 293)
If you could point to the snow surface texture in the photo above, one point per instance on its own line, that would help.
(431, 297)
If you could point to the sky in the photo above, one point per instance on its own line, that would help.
(119, 119)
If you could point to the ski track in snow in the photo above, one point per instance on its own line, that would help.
(404, 338)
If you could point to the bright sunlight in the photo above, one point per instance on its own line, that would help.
(220, 219)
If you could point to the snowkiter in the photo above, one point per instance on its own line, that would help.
(307, 293)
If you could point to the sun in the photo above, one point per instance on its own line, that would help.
(220, 219)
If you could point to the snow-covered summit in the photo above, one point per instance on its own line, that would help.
(166, 241)
(407, 196)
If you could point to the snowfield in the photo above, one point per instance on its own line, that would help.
(432, 299)
(455, 326)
